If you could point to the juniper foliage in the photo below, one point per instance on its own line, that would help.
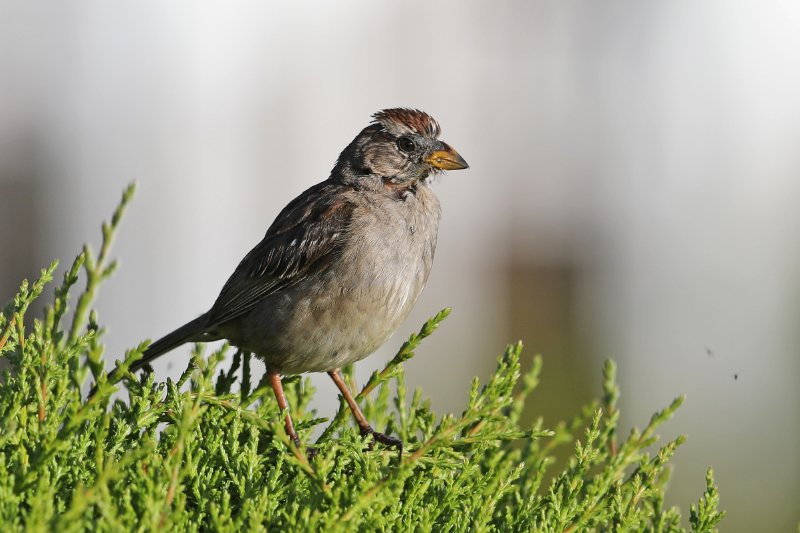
(208, 451)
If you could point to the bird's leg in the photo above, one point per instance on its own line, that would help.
(277, 388)
(361, 420)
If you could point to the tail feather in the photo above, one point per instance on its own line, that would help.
(191, 331)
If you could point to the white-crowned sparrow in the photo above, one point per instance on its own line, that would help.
(341, 266)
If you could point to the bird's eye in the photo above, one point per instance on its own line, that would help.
(406, 144)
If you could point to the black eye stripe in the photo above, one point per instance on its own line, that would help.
(406, 144)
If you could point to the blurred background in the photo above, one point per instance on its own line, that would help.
(635, 170)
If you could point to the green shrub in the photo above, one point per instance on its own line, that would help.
(209, 452)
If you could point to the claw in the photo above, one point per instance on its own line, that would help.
(387, 440)
(361, 420)
(311, 452)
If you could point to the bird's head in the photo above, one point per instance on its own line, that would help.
(400, 147)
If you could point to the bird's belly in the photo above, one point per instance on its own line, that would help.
(341, 315)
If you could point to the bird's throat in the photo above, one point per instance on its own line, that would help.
(400, 190)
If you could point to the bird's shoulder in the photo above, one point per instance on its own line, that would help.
(327, 201)
(305, 237)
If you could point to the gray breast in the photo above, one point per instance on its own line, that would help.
(344, 314)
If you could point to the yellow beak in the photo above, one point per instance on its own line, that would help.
(445, 158)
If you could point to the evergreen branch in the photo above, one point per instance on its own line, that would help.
(405, 353)
(97, 269)
(195, 454)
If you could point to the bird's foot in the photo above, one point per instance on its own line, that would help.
(387, 440)
(311, 451)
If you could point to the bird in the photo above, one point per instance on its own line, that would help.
(340, 267)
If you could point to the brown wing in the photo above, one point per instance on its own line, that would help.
(308, 234)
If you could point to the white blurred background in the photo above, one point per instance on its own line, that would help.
(635, 170)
